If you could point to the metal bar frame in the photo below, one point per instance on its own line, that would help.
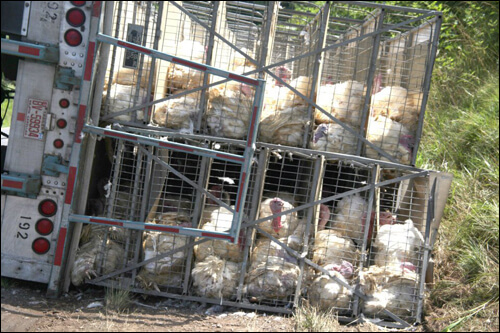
(250, 147)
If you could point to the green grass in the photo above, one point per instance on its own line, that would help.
(462, 138)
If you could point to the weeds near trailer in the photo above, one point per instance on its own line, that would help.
(310, 319)
(117, 300)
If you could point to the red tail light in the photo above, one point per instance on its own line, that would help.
(75, 17)
(61, 123)
(73, 37)
(47, 207)
(41, 245)
(58, 143)
(78, 3)
(64, 103)
(44, 226)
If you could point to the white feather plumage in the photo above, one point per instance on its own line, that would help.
(343, 100)
(385, 134)
(398, 243)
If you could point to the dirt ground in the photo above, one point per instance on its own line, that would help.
(25, 308)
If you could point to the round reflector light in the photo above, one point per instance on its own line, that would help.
(47, 207)
(75, 17)
(41, 246)
(61, 123)
(73, 37)
(58, 143)
(78, 3)
(64, 103)
(44, 226)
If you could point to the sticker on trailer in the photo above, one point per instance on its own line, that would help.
(34, 121)
(134, 35)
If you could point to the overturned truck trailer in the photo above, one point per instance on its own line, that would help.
(254, 156)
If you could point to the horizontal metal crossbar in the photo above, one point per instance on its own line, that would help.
(140, 139)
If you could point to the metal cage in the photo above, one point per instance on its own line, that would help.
(334, 211)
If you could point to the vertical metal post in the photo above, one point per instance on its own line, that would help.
(427, 249)
(311, 217)
(214, 26)
(197, 213)
(147, 186)
(364, 256)
(113, 55)
(268, 33)
(247, 164)
(369, 83)
(141, 60)
(317, 70)
(256, 200)
(426, 88)
(148, 111)
(116, 171)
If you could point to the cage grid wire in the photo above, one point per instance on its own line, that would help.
(218, 265)
(273, 274)
(263, 271)
(374, 75)
(370, 48)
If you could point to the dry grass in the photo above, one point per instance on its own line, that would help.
(117, 300)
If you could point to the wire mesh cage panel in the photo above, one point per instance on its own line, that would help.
(218, 264)
(401, 83)
(344, 77)
(240, 32)
(286, 116)
(339, 230)
(274, 276)
(393, 278)
(339, 236)
(130, 77)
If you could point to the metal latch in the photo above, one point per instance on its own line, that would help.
(52, 166)
(66, 79)
(20, 184)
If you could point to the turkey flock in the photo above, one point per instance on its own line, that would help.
(269, 256)
(286, 117)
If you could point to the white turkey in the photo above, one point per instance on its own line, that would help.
(394, 288)
(221, 220)
(178, 113)
(168, 269)
(211, 205)
(273, 279)
(90, 231)
(265, 248)
(326, 293)
(331, 248)
(181, 77)
(392, 137)
(122, 97)
(285, 126)
(350, 218)
(96, 257)
(281, 226)
(279, 97)
(397, 243)
(230, 106)
(343, 100)
(397, 104)
(285, 114)
(334, 138)
(214, 277)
